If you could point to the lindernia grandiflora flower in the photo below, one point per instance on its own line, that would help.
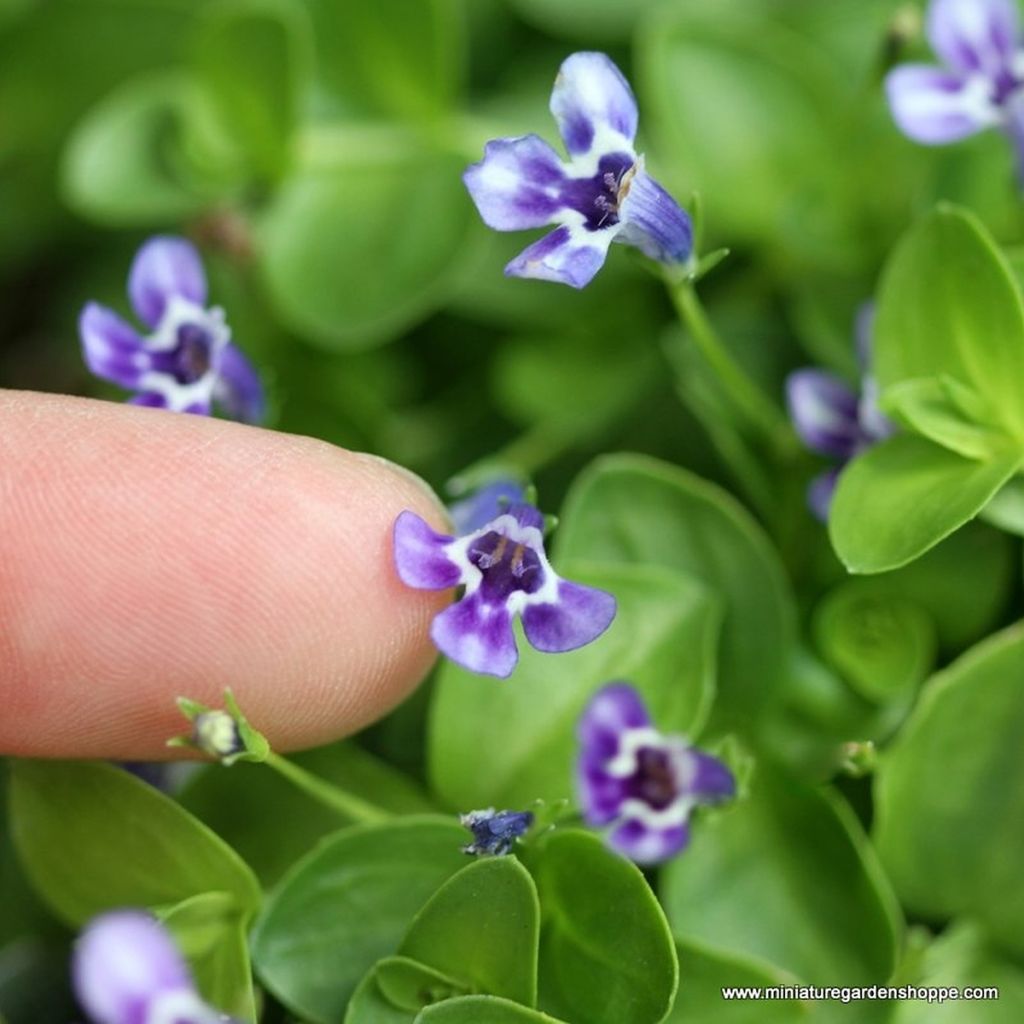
(834, 420)
(639, 784)
(505, 572)
(127, 970)
(187, 362)
(981, 84)
(603, 194)
(495, 832)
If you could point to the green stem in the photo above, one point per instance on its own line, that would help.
(329, 795)
(748, 398)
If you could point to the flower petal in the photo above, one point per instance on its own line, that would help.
(165, 266)
(237, 388)
(150, 399)
(645, 845)
(122, 962)
(483, 505)
(711, 780)
(477, 635)
(112, 348)
(516, 185)
(578, 615)
(974, 35)
(600, 796)
(593, 105)
(612, 711)
(823, 409)
(420, 556)
(654, 222)
(820, 491)
(933, 106)
(567, 255)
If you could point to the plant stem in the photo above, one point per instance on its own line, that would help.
(329, 795)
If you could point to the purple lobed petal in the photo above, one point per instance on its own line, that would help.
(974, 35)
(591, 99)
(477, 635)
(643, 844)
(600, 796)
(112, 348)
(163, 268)
(613, 710)
(579, 615)
(820, 491)
(517, 184)
(824, 410)
(483, 505)
(420, 557)
(711, 780)
(654, 222)
(934, 107)
(149, 399)
(565, 255)
(237, 388)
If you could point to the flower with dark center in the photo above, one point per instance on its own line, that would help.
(981, 84)
(603, 194)
(640, 785)
(505, 572)
(187, 363)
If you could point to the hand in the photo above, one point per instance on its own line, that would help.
(147, 555)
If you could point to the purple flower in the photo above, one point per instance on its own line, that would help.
(126, 970)
(832, 419)
(638, 783)
(187, 362)
(495, 832)
(603, 194)
(505, 572)
(980, 83)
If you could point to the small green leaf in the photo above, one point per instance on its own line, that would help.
(479, 1010)
(410, 985)
(949, 794)
(92, 837)
(369, 1005)
(634, 509)
(346, 905)
(903, 496)
(606, 953)
(482, 927)
(786, 878)
(485, 744)
(1006, 509)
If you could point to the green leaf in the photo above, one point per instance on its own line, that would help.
(211, 933)
(903, 496)
(949, 305)
(630, 508)
(949, 794)
(479, 1010)
(251, 58)
(585, 19)
(369, 1005)
(92, 837)
(786, 878)
(482, 927)
(606, 953)
(410, 985)
(348, 904)
(356, 252)
(884, 647)
(703, 973)
(509, 744)
(1006, 509)
(962, 957)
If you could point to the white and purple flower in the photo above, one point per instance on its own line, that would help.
(835, 421)
(981, 82)
(640, 785)
(187, 362)
(505, 572)
(126, 970)
(603, 194)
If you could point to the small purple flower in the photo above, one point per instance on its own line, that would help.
(505, 572)
(126, 970)
(495, 832)
(638, 783)
(981, 84)
(832, 419)
(603, 194)
(187, 362)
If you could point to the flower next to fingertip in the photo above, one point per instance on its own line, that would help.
(980, 83)
(127, 970)
(637, 783)
(603, 194)
(505, 572)
(187, 362)
(834, 420)
(495, 833)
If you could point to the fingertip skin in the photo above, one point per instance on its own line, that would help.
(146, 555)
